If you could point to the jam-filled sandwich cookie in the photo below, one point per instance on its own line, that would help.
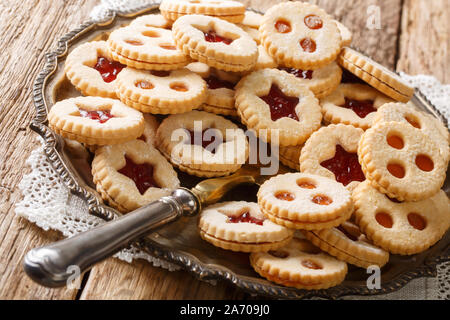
(289, 156)
(300, 35)
(91, 69)
(232, 11)
(347, 243)
(321, 82)
(132, 174)
(143, 47)
(161, 92)
(220, 93)
(152, 20)
(375, 74)
(277, 103)
(401, 161)
(353, 104)
(300, 265)
(95, 120)
(401, 227)
(332, 152)
(346, 34)
(252, 19)
(305, 201)
(428, 124)
(202, 144)
(216, 42)
(240, 226)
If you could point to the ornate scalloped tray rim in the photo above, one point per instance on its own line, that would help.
(185, 260)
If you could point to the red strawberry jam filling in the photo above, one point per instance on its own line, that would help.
(199, 139)
(302, 74)
(141, 174)
(108, 69)
(216, 83)
(280, 105)
(246, 217)
(345, 166)
(212, 36)
(100, 116)
(361, 108)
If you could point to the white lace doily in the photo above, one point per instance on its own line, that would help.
(48, 204)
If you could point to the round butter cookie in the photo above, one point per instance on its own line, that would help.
(152, 21)
(95, 120)
(401, 161)
(216, 42)
(132, 174)
(240, 226)
(332, 152)
(273, 101)
(305, 201)
(401, 227)
(300, 265)
(92, 70)
(289, 156)
(300, 35)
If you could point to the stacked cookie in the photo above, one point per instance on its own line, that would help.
(158, 92)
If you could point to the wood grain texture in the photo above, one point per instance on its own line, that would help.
(27, 31)
(425, 38)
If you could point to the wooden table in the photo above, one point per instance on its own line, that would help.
(414, 37)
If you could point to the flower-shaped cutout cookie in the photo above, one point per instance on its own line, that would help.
(278, 102)
(95, 120)
(300, 35)
(305, 201)
(216, 42)
(132, 174)
(143, 47)
(347, 243)
(240, 226)
(401, 161)
(202, 144)
(161, 92)
(428, 124)
(91, 69)
(301, 265)
(332, 152)
(232, 11)
(401, 227)
(152, 21)
(353, 104)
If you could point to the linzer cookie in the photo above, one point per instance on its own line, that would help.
(91, 69)
(321, 82)
(289, 156)
(401, 161)
(152, 21)
(305, 201)
(132, 174)
(301, 265)
(346, 34)
(375, 74)
(151, 126)
(231, 11)
(202, 144)
(401, 227)
(161, 92)
(429, 125)
(240, 226)
(216, 42)
(277, 103)
(220, 93)
(331, 152)
(252, 19)
(347, 243)
(95, 120)
(353, 104)
(143, 47)
(300, 35)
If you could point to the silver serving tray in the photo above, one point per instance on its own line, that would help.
(179, 242)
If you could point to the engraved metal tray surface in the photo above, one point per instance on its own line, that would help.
(179, 242)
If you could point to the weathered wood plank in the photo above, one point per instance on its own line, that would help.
(27, 31)
(425, 38)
